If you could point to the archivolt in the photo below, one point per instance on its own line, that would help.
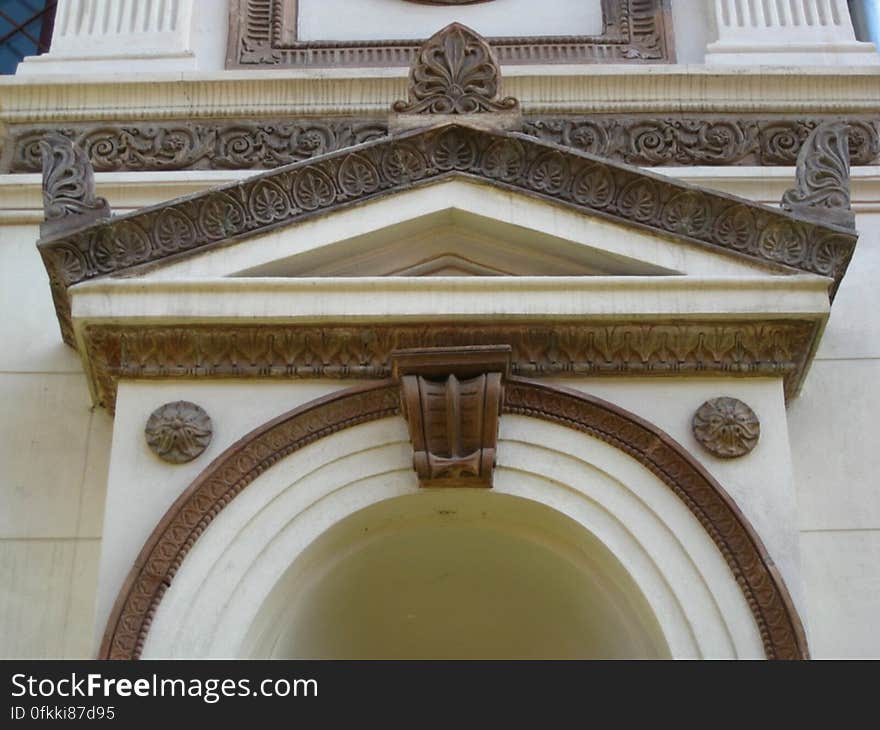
(781, 630)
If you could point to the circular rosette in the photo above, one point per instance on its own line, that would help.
(173, 231)
(726, 427)
(178, 432)
(119, 247)
(687, 213)
(735, 228)
(220, 216)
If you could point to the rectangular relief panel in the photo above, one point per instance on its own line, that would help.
(283, 33)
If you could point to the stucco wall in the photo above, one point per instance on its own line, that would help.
(53, 468)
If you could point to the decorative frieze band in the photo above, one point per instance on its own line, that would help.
(261, 145)
(565, 349)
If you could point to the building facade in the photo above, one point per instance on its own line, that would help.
(384, 328)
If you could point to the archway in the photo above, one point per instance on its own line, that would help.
(230, 538)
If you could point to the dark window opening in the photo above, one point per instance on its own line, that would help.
(25, 30)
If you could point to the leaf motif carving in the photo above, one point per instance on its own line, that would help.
(822, 190)
(455, 72)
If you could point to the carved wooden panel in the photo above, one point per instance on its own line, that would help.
(635, 31)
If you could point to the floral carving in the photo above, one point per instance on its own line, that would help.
(822, 190)
(178, 432)
(69, 198)
(385, 166)
(358, 176)
(268, 202)
(312, 189)
(735, 227)
(726, 427)
(687, 213)
(455, 72)
(593, 186)
(146, 352)
(268, 144)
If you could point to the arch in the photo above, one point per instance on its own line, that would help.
(780, 629)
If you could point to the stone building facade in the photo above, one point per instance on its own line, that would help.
(384, 328)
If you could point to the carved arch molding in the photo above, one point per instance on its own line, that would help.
(264, 33)
(770, 603)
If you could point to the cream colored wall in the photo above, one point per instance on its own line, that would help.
(53, 468)
(834, 437)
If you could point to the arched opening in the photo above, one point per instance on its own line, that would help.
(208, 580)
(456, 574)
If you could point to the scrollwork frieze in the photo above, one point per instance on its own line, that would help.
(647, 142)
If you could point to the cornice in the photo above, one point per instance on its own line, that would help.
(370, 91)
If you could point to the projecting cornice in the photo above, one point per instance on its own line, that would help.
(593, 186)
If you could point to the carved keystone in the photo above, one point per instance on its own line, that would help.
(451, 399)
(822, 190)
(455, 76)
(69, 199)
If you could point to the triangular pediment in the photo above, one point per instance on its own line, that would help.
(611, 210)
(458, 227)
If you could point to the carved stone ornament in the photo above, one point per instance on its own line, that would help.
(178, 432)
(69, 199)
(563, 349)
(822, 191)
(645, 140)
(451, 398)
(455, 73)
(337, 180)
(726, 427)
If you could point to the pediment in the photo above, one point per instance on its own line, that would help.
(590, 188)
(456, 226)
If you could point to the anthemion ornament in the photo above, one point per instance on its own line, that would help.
(726, 427)
(178, 432)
